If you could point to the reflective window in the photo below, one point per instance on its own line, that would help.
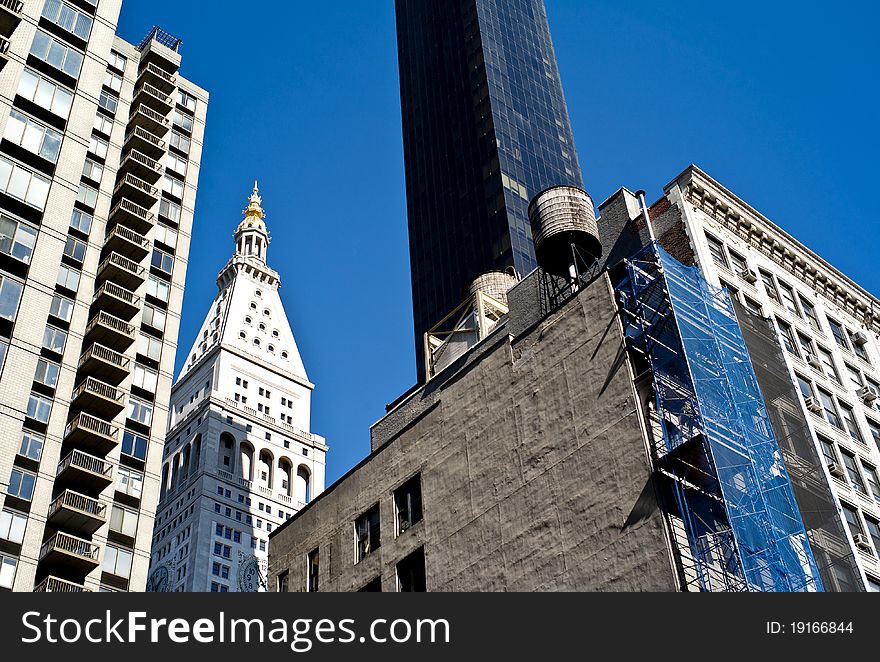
(57, 53)
(23, 184)
(12, 526)
(47, 373)
(135, 445)
(68, 18)
(117, 561)
(17, 239)
(80, 220)
(61, 307)
(39, 407)
(34, 136)
(31, 445)
(10, 297)
(21, 484)
(158, 287)
(45, 93)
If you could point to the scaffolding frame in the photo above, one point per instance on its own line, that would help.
(737, 506)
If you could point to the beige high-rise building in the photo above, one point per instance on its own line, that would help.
(99, 162)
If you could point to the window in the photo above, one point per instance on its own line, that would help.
(787, 338)
(367, 533)
(93, 170)
(173, 186)
(117, 60)
(47, 373)
(61, 307)
(855, 377)
(12, 526)
(180, 142)
(852, 471)
(858, 347)
(23, 184)
(21, 484)
(129, 481)
(108, 101)
(154, 317)
(8, 566)
(10, 296)
(103, 124)
(113, 81)
(851, 516)
(408, 503)
(786, 294)
(411, 573)
(34, 136)
(166, 235)
(134, 445)
(45, 93)
(56, 53)
(68, 18)
(117, 561)
(830, 410)
(39, 407)
(839, 334)
(872, 479)
(176, 164)
(849, 421)
(186, 100)
(716, 249)
(314, 565)
(75, 249)
(875, 431)
(124, 521)
(738, 261)
(284, 582)
(183, 120)
(140, 410)
(149, 347)
(144, 377)
(810, 313)
(827, 448)
(769, 285)
(68, 277)
(87, 196)
(31, 445)
(158, 288)
(806, 345)
(169, 210)
(828, 366)
(162, 261)
(17, 239)
(79, 220)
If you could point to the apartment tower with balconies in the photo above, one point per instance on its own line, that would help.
(99, 164)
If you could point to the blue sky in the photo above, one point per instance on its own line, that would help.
(776, 100)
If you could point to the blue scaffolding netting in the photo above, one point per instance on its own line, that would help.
(734, 496)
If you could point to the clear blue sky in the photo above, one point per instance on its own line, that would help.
(777, 100)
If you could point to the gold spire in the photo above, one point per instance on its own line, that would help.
(254, 215)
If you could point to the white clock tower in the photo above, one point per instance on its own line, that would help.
(239, 458)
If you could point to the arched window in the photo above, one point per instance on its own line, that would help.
(226, 453)
(303, 484)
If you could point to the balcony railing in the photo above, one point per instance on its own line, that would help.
(133, 214)
(68, 545)
(133, 184)
(106, 363)
(4, 45)
(74, 510)
(109, 329)
(58, 585)
(142, 166)
(99, 397)
(145, 141)
(119, 268)
(145, 116)
(15, 6)
(161, 78)
(88, 429)
(154, 97)
(86, 470)
(10, 17)
(117, 299)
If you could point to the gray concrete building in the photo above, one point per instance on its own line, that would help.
(99, 164)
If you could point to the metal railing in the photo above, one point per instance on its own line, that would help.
(86, 462)
(99, 388)
(136, 182)
(157, 117)
(57, 585)
(69, 544)
(79, 502)
(89, 423)
(159, 72)
(159, 35)
(146, 136)
(111, 322)
(154, 92)
(105, 354)
(15, 6)
(111, 289)
(142, 159)
(122, 262)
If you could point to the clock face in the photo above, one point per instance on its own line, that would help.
(250, 576)
(158, 581)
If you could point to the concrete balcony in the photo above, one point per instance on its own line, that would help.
(10, 17)
(92, 433)
(70, 553)
(4, 51)
(117, 300)
(138, 138)
(85, 472)
(58, 585)
(105, 363)
(154, 98)
(97, 397)
(122, 271)
(155, 123)
(142, 166)
(77, 512)
(111, 331)
(137, 190)
(157, 77)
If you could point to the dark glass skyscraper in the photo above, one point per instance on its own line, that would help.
(485, 128)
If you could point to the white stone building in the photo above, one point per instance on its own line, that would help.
(828, 326)
(239, 457)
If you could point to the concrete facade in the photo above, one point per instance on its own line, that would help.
(533, 464)
(239, 458)
(102, 289)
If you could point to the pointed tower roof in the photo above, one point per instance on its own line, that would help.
(247, 318)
